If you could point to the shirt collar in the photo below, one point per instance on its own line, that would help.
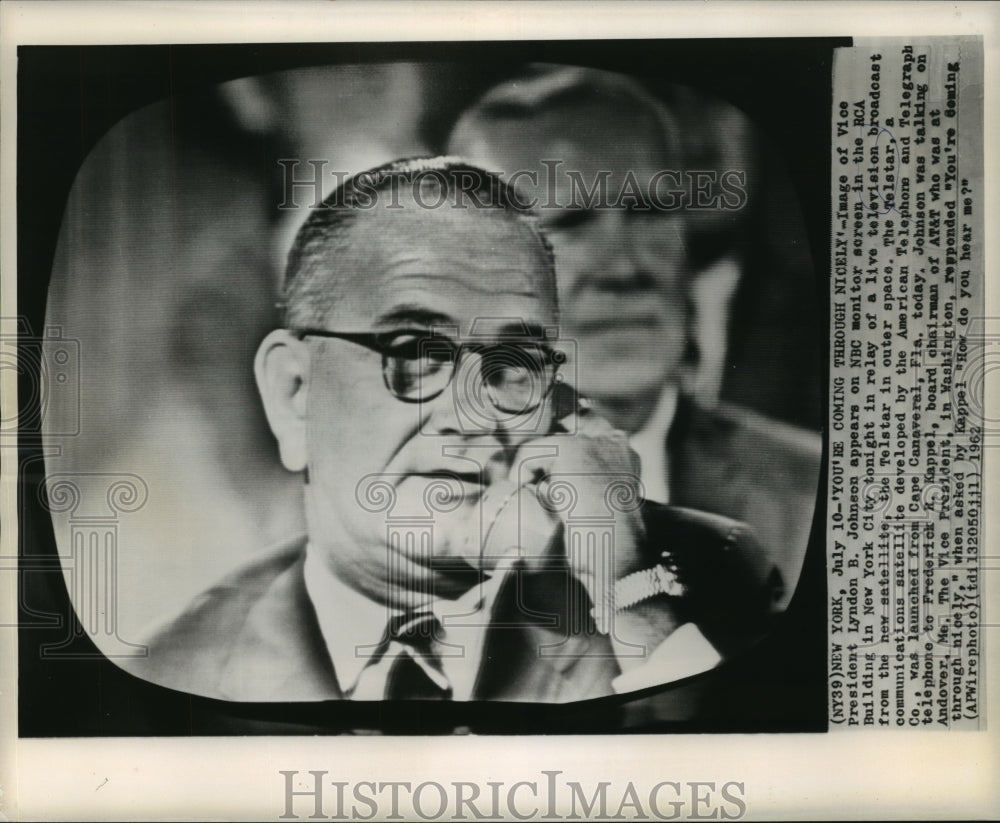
(353, 626)
(650, 444)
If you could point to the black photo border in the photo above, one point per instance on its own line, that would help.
(70, 96)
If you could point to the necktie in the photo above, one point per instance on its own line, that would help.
(416, 672)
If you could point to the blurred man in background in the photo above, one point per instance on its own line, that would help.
(626, 289)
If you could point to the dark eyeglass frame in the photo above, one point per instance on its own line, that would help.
(380, 342)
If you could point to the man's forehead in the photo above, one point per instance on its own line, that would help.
(463, 261)
(581, 135)
(546, 155)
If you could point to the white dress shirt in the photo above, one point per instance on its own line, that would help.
(650, 443)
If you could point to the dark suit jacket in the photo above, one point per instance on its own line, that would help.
(254, 636)
(733, 462)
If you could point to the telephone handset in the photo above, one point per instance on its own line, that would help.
(518, 522)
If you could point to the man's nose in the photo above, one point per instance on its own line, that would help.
(621, 261)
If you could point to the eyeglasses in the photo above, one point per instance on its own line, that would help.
(517, 373)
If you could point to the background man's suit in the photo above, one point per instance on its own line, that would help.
(733, 462)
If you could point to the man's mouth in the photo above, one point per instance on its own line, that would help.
(600, 316)
(621, 325)
(476, 477)
(456, 484)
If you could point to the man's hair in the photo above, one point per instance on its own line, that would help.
(545, 89)
(312, 275)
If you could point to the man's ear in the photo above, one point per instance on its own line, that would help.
(282, 371)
